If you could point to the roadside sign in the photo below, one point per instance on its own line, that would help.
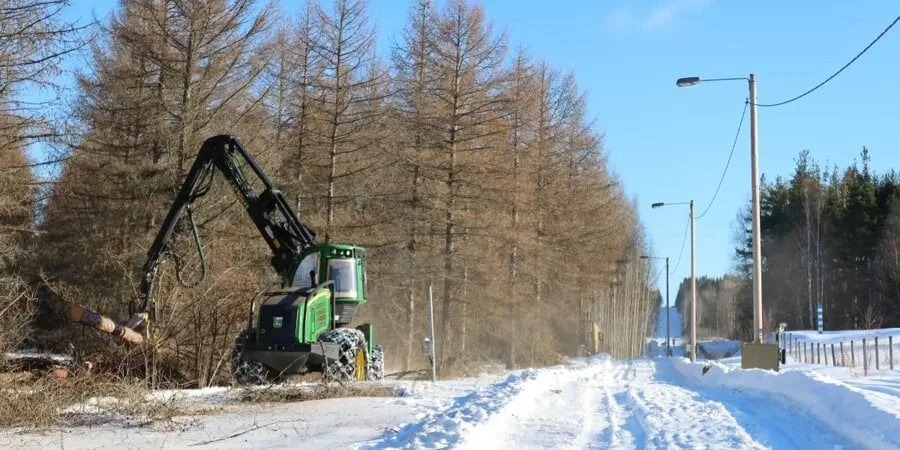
(820, 318)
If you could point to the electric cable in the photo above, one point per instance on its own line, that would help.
(810, 91)
(727, 163)
(681, 252)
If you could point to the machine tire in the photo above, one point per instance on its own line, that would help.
(247, 373)
(350, 341)
(375, 369)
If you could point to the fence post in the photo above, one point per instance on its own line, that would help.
(841, 345)
(804, 352)
(818, 353)
(431, 331)
(865, 358)
(852, 356)
(891, 351)
(876, 353)
(833, 360)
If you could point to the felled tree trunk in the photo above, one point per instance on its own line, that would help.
(94, 320)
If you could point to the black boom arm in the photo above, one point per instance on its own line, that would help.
(270, 212)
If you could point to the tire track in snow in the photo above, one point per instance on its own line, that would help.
(444, 427)
(644, 413)
(572, 407)
(551, 413)
(595, 410)
(613, 433)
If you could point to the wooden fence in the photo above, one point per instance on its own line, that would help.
(868, 353)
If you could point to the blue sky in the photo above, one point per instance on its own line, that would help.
(670, 144)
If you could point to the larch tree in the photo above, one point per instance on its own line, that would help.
(166, 75)
(348, 106)
(34, 39)
(414, 83)
(468, 58)
(299, 72)
(521, 106)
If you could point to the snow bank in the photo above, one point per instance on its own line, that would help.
(842, 407)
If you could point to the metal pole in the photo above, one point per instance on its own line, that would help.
(668, 348)
(693, 290)
(757, 249)
(431, 331)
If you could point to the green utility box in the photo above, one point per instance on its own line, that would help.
(760, 356)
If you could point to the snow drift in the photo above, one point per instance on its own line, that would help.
(842, 407)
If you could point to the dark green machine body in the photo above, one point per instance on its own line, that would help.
(290, 321)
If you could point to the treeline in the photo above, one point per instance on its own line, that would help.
(830, 237)
(719, 313)
(457, 162)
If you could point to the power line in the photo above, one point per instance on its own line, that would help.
(727, 163)
(836, 73)
(683, 240)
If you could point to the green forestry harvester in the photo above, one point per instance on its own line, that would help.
(301, 327)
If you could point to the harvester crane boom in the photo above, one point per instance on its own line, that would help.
(300, 327)
(286, 236)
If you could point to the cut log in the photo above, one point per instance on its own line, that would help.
(94, 320)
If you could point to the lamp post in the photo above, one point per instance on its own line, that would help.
(668, 339)
(754, 185)
(693, 278)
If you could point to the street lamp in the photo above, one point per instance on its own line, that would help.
(668, 339)
(754, 184)
(693, 278)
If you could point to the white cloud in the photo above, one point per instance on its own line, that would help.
(620, 19)
(668, 11)
(658, 16)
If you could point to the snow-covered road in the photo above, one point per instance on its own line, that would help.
(613, 404)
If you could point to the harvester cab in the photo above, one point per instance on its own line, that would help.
(344, 266)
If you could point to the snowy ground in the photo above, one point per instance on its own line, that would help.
(655, 402)
(589, 403)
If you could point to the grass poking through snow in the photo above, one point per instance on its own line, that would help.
(303, 393)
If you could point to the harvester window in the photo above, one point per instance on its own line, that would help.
(310, 263)
(343, 273)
